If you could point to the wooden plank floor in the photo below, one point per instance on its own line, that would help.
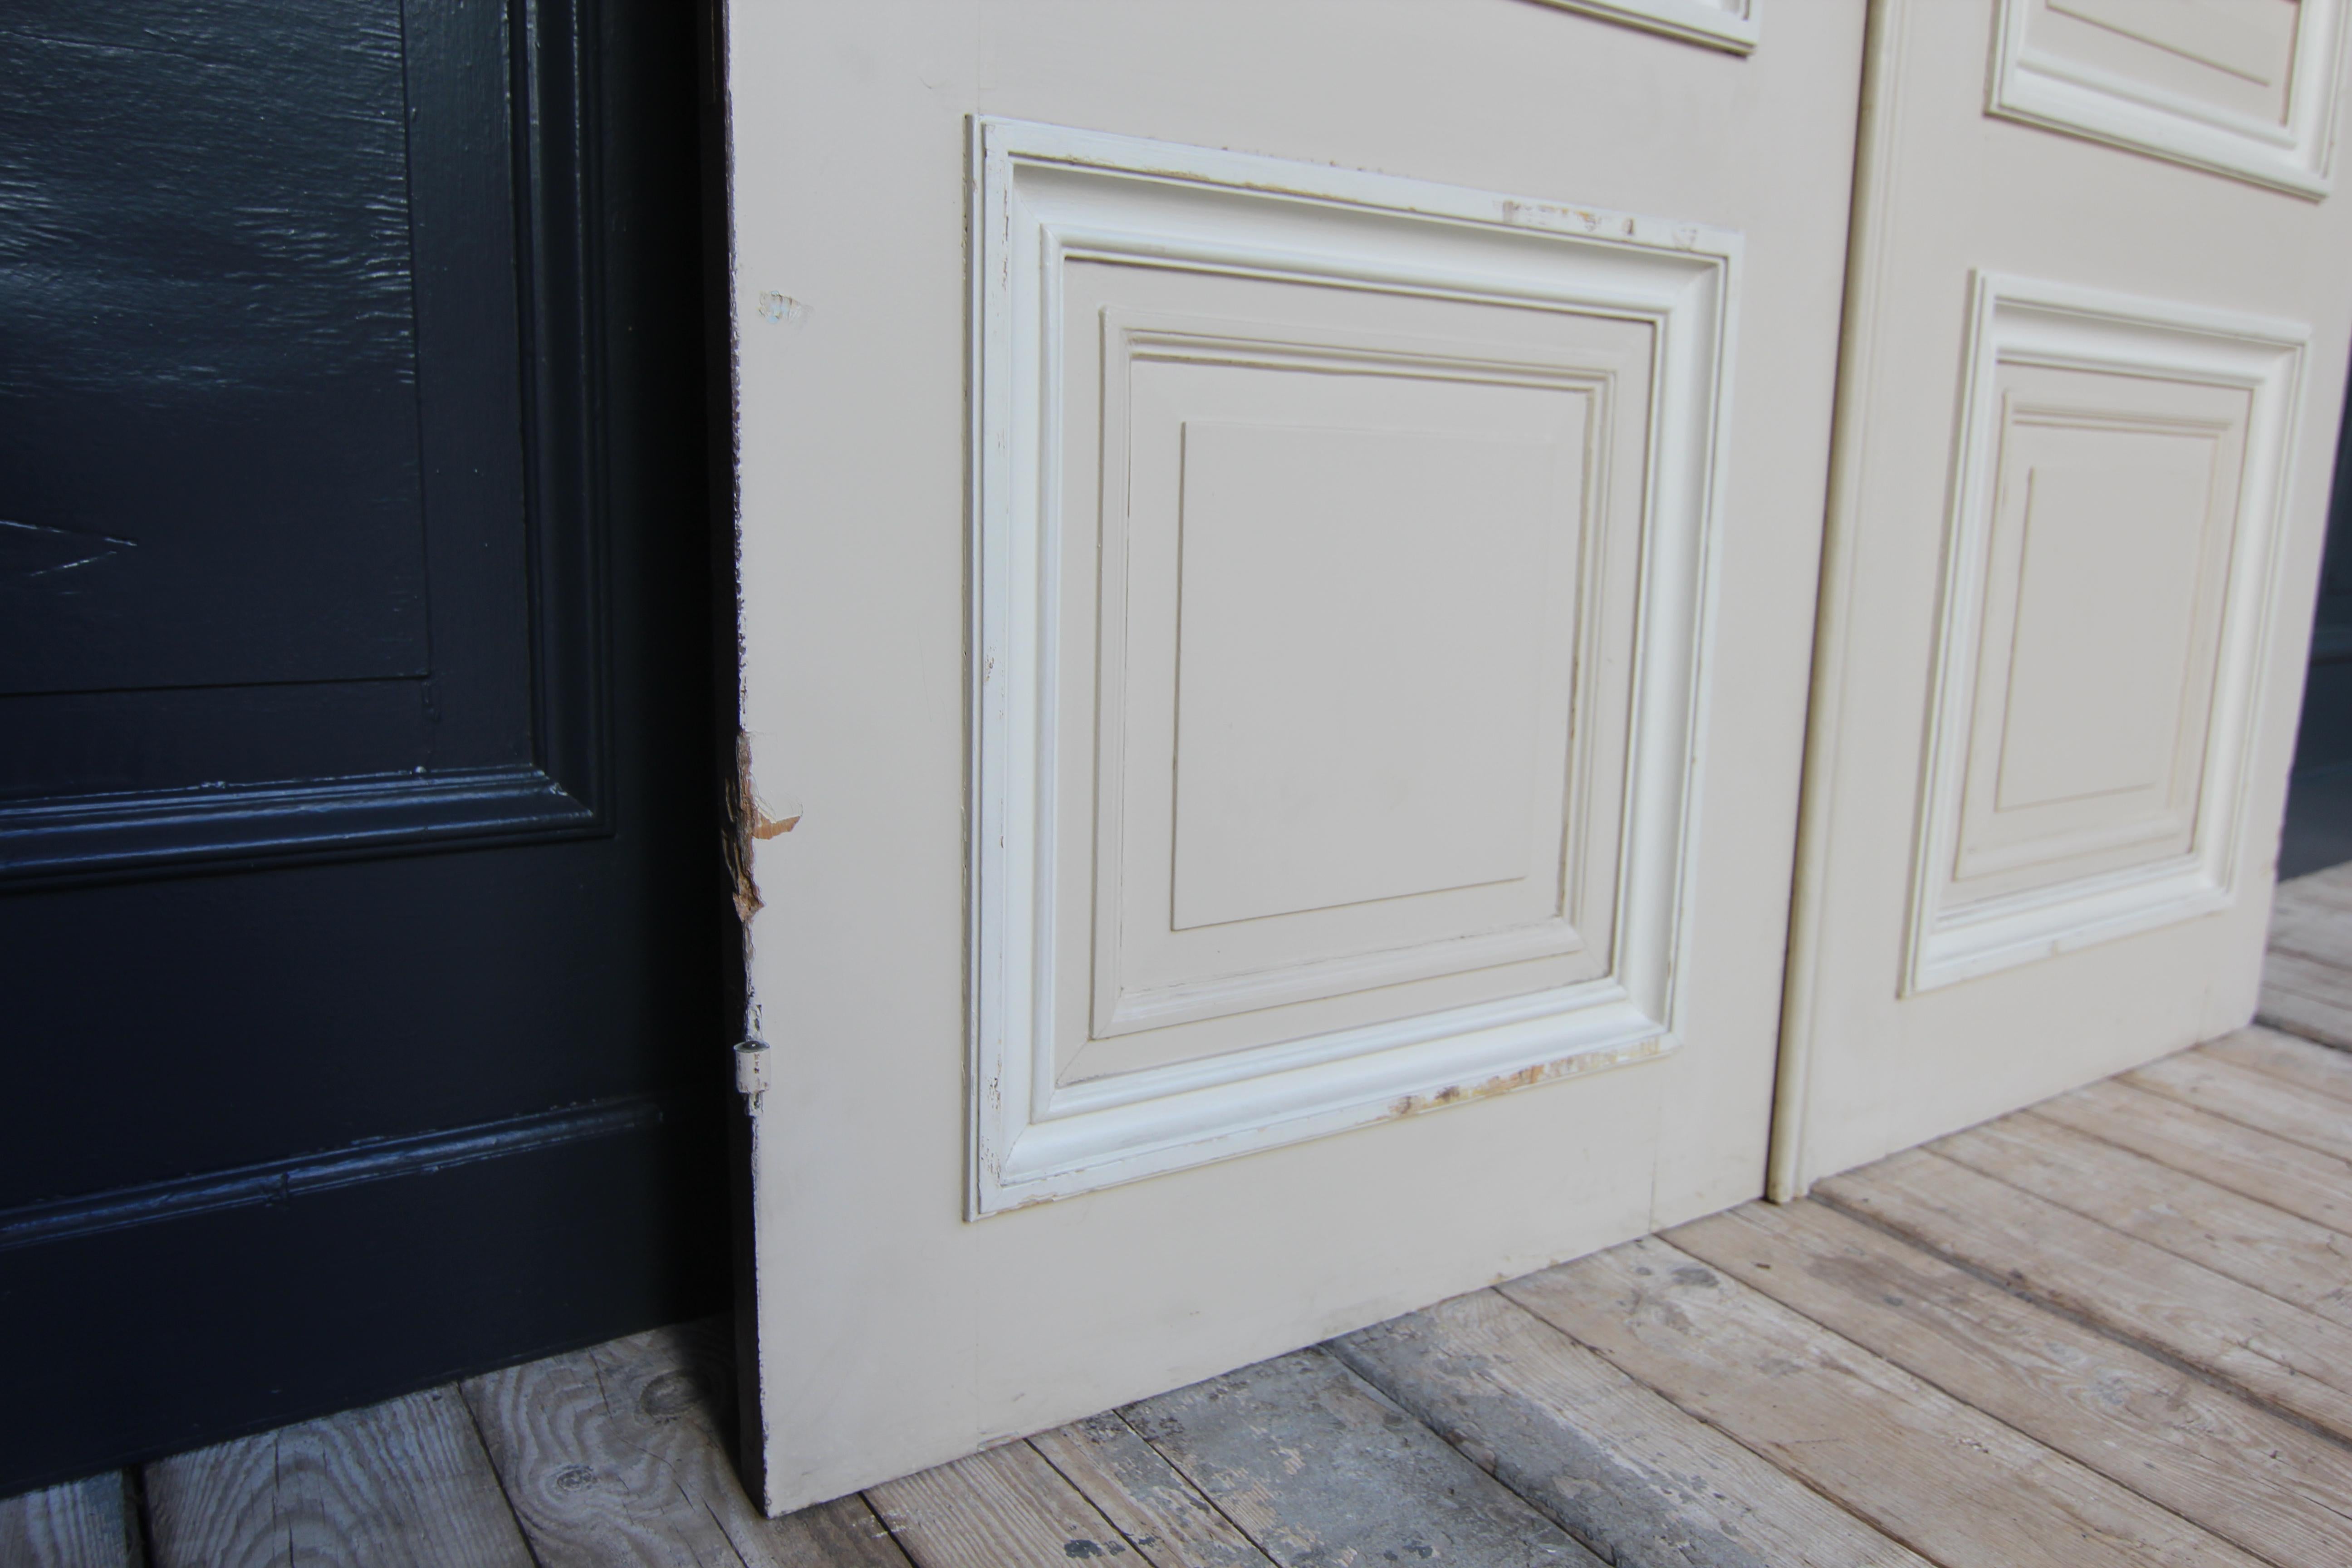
(2114, 1329)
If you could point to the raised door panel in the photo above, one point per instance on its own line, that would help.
(290, 566)
(1369, 529)
(2116, 524)
(2242, 87)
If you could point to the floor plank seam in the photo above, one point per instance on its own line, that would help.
(506, 1489)
(2150, 1241)
(1202, 1491)
(1489, 1462)
(2210, 1176)
(1829, 1499)
(2154, 1352)
(138, 1517)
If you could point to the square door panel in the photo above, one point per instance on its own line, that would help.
(2108, 573)
(2242, 87)
(1340, 585)
(1362, 653)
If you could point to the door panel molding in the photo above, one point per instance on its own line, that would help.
(2177, 81)
(1996, 883)
(1736, 25)
(1047, 202)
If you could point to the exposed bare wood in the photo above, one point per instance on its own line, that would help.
(80, 1524)
(1319, 1468)
(1140, 1492)
(2251, 1099)
(395, 1485)
(1003, 1508)
(2244, 1159)
(2251, 1242)
(2245, 1474)
(2292, 1060)
(1632, 1476)
(1951, 1483)
(616, 1455)
(2277, 1351)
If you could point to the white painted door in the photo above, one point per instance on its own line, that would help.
(2096, 335)
(1279, 544)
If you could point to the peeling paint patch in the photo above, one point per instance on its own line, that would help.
(1524, 1077)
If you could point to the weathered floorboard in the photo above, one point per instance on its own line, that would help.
(2305, 996)
(1636, 1479)
(2251, 1242)
(80, 1524)
(404, 1484)
(2247, 1474)
(2251, 1099)
(2274, 1351)
(1319, 1469)
(2289, 1059)
(2304, 1182)
(1001, 1507)
(1951, 1483)
(617, 1455)
(1135, 1488)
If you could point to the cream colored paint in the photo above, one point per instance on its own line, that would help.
(2208, 313)
(893, 1333)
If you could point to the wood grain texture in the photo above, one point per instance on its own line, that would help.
(80, 1524)
(2244, 1159)
(1953, 1484)
(1001, 1507)
(617, 1455)
(403, 1483)
(1319, 1468)
(1637, 1481)
(2278, 1352)
(2253, 1099)
(1140, 1492)
(2251, 1242)
(2291, 1061)
(2247, 1474)
(2285, 1002)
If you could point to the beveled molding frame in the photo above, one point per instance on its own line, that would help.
(2021, 321)
(1738, 26)
(2041, 89)
(1043, 195)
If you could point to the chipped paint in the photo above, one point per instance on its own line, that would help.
(1524, 1077)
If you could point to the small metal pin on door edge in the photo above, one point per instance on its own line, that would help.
(752, 1070)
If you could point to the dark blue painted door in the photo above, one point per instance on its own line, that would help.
(361, 920)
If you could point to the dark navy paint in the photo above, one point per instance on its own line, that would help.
(364, 951)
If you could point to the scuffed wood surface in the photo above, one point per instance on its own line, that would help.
(617, 1455)
(2289, 1059)
(2279, 1352)
(2247, 1160)
(82, 1524)
(1140, 1492)
(404, 1484)
(1000, 1508)
(1633, 1477)
(1319, 1469)
(2251, 1477)
(2251, 1100)
(2251, 1242)
(1955, 1485)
